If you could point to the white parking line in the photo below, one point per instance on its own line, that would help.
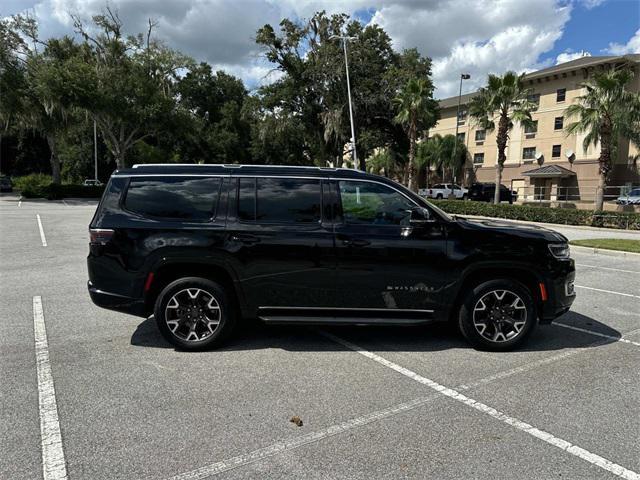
(53, 462)
(607, 268)
(591, 332)
(280, 447)
(492, 412)
(607, 291)
(42, 237)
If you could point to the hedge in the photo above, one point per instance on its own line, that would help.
(564, 216)
(55, 192)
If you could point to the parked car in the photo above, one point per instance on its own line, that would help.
(6, 185)
(631, 198)
(205, 247)
(485, 192)
(92, 183)
(444, 190)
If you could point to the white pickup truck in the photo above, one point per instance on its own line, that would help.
(444, 190)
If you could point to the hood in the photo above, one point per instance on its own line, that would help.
(522, 230)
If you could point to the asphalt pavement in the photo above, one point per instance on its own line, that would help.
(88, 393)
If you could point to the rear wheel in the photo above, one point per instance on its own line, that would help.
(439, 196)
(194, 313)
(497, 315)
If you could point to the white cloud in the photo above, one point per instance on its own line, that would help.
(480, 37)
(632, 46)
(569, 55)
(475, 36)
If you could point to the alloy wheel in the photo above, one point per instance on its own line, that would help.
(499, 315)
(193, 314)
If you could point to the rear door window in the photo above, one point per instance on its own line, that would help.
(279, 200)
(175, 198)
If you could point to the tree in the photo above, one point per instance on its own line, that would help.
(605, 112)
(438, 151)
(417, 110)
(312, 93)
(37, 105)
(216, 131)
(504, 99)
(126, 83)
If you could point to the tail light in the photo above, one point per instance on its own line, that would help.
(100, 236)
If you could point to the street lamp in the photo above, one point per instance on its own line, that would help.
(345, 39)
(463, 76)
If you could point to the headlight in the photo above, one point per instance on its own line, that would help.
(559, 250)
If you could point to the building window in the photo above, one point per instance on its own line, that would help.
(534, 98)
(461, 136)
(531, 130)
(558, 123)
(529, 153)
(481, 135)
(462, 116)
(478, 158)
(556, 150)
(561, 93)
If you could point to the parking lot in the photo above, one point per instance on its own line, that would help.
(100, 395)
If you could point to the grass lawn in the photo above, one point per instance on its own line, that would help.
(610, 243)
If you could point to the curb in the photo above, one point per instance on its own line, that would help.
(558, 225)
(604, 251)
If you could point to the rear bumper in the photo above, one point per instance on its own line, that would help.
(119, 303)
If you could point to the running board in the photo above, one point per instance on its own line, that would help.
(307, 320)
(343, 316)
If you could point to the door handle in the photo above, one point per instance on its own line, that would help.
(355, 242)
(245, 238)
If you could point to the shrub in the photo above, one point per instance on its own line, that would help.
(542, 214)
(56, 192)
(33, 185)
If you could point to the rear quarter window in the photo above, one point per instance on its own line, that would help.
(174, 198)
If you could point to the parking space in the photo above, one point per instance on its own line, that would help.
(375, 402)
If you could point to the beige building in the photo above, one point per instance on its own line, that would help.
(543, 163)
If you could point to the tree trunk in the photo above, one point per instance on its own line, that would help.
(501, 140)
(412, 170)
(604, 164)
(53, 159)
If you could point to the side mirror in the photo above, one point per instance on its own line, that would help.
(420, 216)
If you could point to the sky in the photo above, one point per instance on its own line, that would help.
(471, 36)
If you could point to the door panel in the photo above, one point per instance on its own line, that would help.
(282, 248)
(382, 261)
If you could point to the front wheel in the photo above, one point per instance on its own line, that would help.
(497, 315)
(194, 313)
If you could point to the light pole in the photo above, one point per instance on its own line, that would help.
(345, 39)
(463, 76)
(95, 151)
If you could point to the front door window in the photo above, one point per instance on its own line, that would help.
(365, 203)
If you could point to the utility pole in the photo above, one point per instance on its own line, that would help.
(463, 76)
(345, 39)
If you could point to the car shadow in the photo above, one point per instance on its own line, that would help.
(253, 335)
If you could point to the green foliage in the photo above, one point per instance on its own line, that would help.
(32, 185)
(543, 214)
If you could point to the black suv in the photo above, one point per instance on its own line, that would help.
(203, 247)
(485, 192)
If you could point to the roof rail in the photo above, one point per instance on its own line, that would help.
(235, 165)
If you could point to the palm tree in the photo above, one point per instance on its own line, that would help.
(382, 162)
(504, 99)
(438, 151)
(605, 112)
(416, 110)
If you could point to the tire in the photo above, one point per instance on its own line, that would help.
(464, 196)
(194, 313)
(505, 322)
(439, 196)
